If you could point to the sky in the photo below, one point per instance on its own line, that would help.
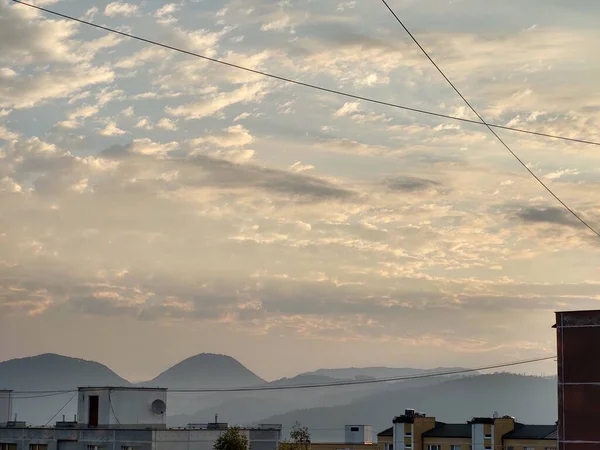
(155, 205)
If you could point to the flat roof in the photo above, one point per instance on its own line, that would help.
(119, 388)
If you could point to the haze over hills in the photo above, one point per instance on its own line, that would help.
(532, 399)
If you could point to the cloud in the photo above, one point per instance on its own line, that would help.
(411, 184)
(111, 129)
(27, 92)
(166, 124)
(121, 9)
(25, 39)
(213, 105)
(167, 9)
(550, 215)
(6, 134)
(233, 136)
(299, 167)
(347, 109)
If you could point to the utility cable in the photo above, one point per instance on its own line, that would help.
(63, 407)
(309, 85)
(346, 382)
(112, 409)
(488, 126)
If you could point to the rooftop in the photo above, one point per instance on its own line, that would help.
(449, 430)
(119, 388)
(387, 432)
(523, 431)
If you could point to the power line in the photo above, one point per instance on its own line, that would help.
(343, 383)
(63, 407)
(309, 85)
(488, 126)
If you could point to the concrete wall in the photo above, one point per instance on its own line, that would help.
(5, 406)
(115, 439)
(362, 434)
(123, 408)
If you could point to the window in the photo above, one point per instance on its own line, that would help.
(8, 446)
(353, 429)
(38, 446)
(510, 447)
(408, 434)
(388, 447)
(528, 448)
(95, 447)
(129, 447)
(550, 448)
(487, 436)
(434, 447)
(455, 447)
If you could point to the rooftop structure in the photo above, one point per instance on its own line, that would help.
(126, 419)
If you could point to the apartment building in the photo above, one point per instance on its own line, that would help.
(356, 437)
(123, 418)
(417, 431)
(578, 347)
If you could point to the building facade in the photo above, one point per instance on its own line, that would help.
(417, 431)
(578, 347)
(113, 418)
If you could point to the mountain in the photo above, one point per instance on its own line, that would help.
(206, 370)
(352, 373)
(50, 372)
(246, 407)
(530, 399)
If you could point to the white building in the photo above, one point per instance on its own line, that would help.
(5, 406)
(122, 418)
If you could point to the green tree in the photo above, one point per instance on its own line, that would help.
(299, 439)
(232, 439)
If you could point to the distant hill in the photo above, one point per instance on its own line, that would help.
(529, 399)
(247, 407)
(51, 372)
(206, 370)
(351, 373)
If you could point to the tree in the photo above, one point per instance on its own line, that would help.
(299, 439)
(232, 439)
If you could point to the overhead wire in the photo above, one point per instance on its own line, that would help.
(347, 382)
(307, 85)
(63, 407)
(488, 126)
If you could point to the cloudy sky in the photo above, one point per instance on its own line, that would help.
(154, 205)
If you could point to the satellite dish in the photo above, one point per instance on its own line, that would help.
(158, 406)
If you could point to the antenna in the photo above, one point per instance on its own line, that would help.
(496, 415)
(216, 418)
(158, 406)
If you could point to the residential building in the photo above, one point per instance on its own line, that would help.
(356, 437)
(417, 431)
(124, 418)
(578, 347)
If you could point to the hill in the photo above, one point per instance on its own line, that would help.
(247, 407)
(206, 370)
(529, 399)
(351, 373)
(49, 372)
